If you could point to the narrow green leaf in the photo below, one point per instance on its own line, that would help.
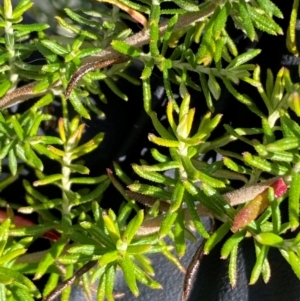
(257, 269)
(161, 166)
(133, 227)
(243, 58)
(276, 214)
(152, 176)
(21, 281)
(37, 195)
(44, 140)
(220, 46)
(266, 271)
(21, 294)
(294, 195)
(30, 27)
(194, 215)
(213, 86)
(128, 271)
(95, 180)
(290, 127)
(269, 239)
(126, 49)
(167, 224)
(177, 197)
(269, 83)
(22, 7)
(109, 257)
(140, 249)
(154, 29)
(4, 151)
(163, 132)
(185, 106)
(232, 267)
(145, 263)
(7, 9)
(153, 191)
(270, 8)
(219, 204)
(94, 142)
(147, 73)
(294, 261)
(142, 277)
(4, 86)
(109, 282)
(158, 156)
(220, 21)
(232, 243)
(50, 257)
(291, 34)
(101, 287)
(77, 104)
(8, 257)
(147, 97)
(179, 233)
(17, 127)
(234, 166)
(206, 92)
(66, 293)
(4, 232)
(51, 284)
(199, 175)
(12, 162)
(187, 5)
(48, 180)
(54, 47)
(114, 87)
(94, 194)
(263, 22)
(32, 157)
(47, 53)
(268, 132)
(99, 234)
(111, 226)
(264, 165)
(45, 151)
(84, 249)
(80, 19)
(246, 20)
(216, 237)
(168, 33)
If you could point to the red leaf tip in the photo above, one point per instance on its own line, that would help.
(280, 187)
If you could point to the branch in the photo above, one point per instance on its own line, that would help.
(109, 56)
(58, 290)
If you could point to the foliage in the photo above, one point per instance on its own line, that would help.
(89, 242)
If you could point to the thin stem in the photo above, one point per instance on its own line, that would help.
(66, 172)
(58, 290)
(10, 46)
(137, 40)
(66, 184)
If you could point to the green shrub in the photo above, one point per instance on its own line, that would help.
(96, 44)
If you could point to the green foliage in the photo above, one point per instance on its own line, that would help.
(192, 50)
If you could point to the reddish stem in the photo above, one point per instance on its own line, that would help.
(21, 221)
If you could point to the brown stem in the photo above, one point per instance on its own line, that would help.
(58, 290)
(194, 266)
(91, 66)
(109, 56)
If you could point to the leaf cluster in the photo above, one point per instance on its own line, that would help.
(192, 50)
